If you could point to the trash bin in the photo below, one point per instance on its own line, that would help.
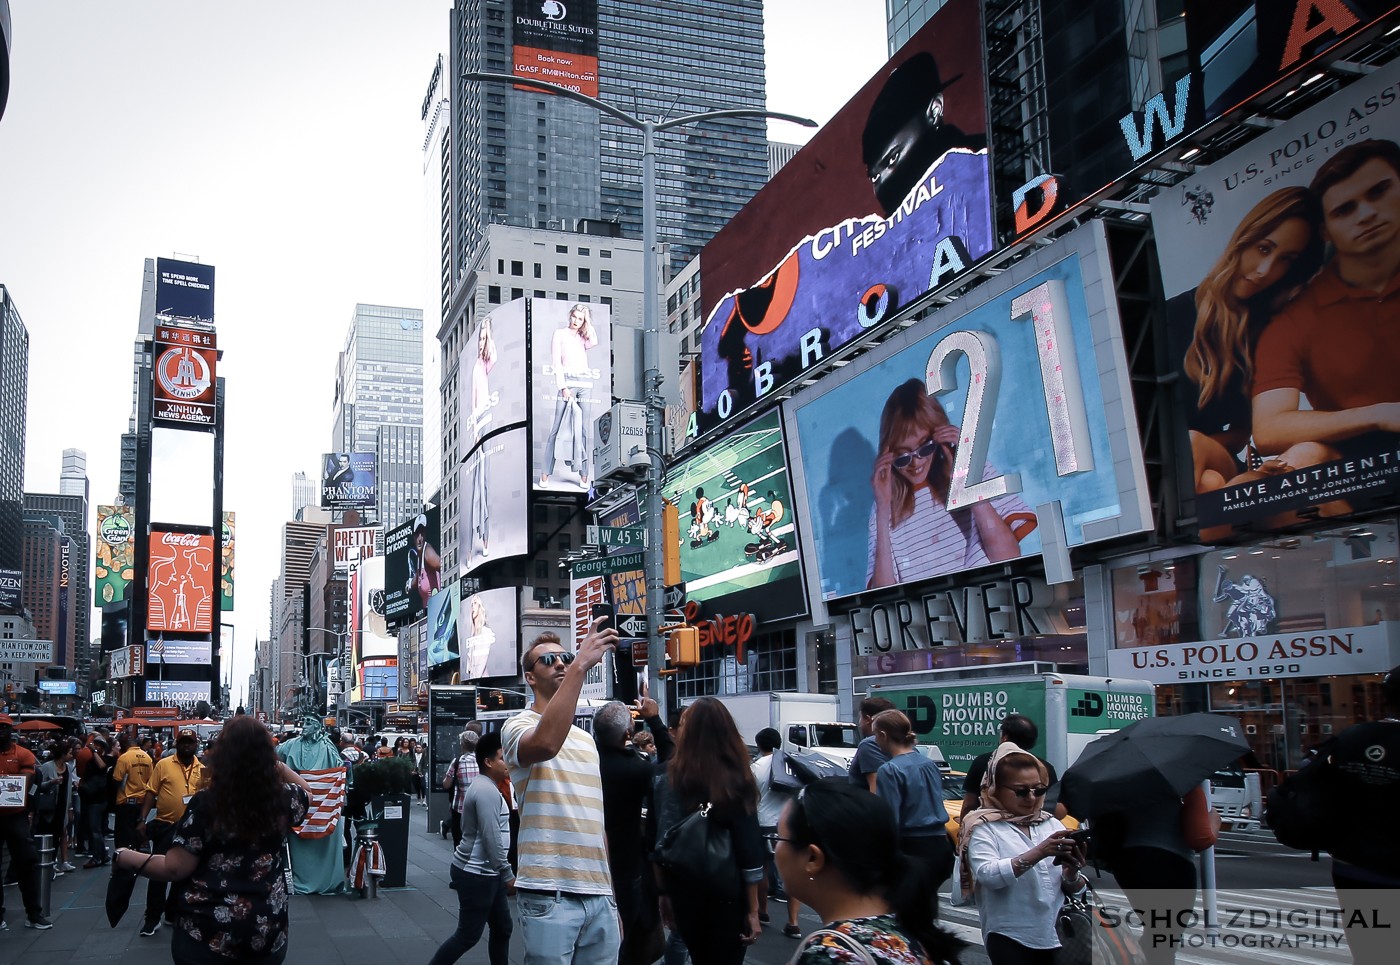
(391, 814)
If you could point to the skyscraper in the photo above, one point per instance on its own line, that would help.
(73, 480)
(48, 585)
(14, 400)
(73, 512)
(379, 383)
(305, 492)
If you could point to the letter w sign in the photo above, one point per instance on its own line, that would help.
(1140, 143)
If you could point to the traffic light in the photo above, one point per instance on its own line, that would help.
(683, 647)
(671, 540)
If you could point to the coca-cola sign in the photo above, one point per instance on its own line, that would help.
(181, 584)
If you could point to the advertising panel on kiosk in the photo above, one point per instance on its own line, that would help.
(412, 567)
(181, 578)
(491, 634)
(738, 529)
(492, 374)
(571, 371)
(348, 481)
(493, 482)
(1278, 263)
(956, 443)
(891, 199)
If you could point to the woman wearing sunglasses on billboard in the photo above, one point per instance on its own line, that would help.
(1018, 861)
(913, 536)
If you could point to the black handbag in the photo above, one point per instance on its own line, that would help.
(698, 851)
(1086, 938)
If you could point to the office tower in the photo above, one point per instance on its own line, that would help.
(48, 585)
(305, 492)
(436, 114)
(73, 480)
(72, 511)
(379, 382)
(780, 153)
(14, 396)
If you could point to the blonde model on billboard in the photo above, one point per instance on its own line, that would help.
(1274, 249)
(479, 643)
(568, 355)
(913, 536)
(482, 402)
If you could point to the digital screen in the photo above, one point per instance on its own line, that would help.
(738, 530)
(933, 454)
(12, 588)
(492, 374)
(195, 652)
(59, 688)
(412, 567)
(184, 363)
(182, 477)
(375, 639)
(443, 640)
(181, 693)
(892, 198)
(226, 562)
(348, 481)
(491, 634)
(184, 290)
(181, 582)
(1284, 353)
(493, 496)
(571, 352)
(557, 41)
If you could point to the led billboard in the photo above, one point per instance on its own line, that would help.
(891, 199)
(164, 651)
(1277, 263)
(571, 368)
(412, 567)
(180, 582)
(369, 626)
(184, 290)
(738, 530)
(492, 374)
(444, 642)
(178, 693)
(226, 563)
(348, 481)
(11, 590)
(350, 544)
(184, 390)
(59, 688)
(182, 477)
(943, 449)
(491, 634)
(556, 41)
(493, 520)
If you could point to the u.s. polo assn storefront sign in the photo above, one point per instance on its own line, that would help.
(1308, 653)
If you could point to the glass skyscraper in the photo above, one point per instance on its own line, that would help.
(14, 400)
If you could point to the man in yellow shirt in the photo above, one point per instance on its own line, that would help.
(132, 775)
(174, 781)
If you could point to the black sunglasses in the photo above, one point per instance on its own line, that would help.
(923, 452)
(1025, 792)
(548, 659)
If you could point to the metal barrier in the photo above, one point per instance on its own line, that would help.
(47, 850)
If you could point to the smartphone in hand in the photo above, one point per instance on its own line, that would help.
(605, 612)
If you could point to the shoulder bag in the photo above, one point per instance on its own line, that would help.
(698, 850)
(845, 940)
(1087, 938)
(1200, 824)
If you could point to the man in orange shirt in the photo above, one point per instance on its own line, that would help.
(132, 776)
(17, 772)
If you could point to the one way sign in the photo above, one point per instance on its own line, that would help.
(632, 625)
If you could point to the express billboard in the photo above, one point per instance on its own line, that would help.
(412, 567)
(348, 481)
(492, 374)
(183, 370)
(556, 41)
(226, 562)
(891, 199)
(180, 582)
(944, 449)
(491, 634)
(493, 521)
(1274, 263)
(571, 369)
(738, 529)
(184, 290)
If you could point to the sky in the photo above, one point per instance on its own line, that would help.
(280, 142)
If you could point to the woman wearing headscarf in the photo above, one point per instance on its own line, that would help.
(1005, 845)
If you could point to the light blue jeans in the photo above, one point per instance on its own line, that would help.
(558, 929)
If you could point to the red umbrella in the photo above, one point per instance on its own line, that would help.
(38, 725)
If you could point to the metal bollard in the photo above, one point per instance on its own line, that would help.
(47, 850)
(366, 836)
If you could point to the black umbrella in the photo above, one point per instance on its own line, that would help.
(119, 890)
(1152, 758)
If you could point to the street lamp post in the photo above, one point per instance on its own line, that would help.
(651, 336)
(340, 637)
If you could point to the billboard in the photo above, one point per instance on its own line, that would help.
(226, 563)
(374, 639)
(492, 375)
(180, 582)
(493, 521)
(947, 448)
(556, 41)
(1276, 267)
(738, 529)
(443, 640)
(190, 652)
(59, 688)
(182, 477)
(348, 481)
(350, 544)
(184, 290)
(891, 199)
(184, 390)
(412, 567)
(11, 589)
(180, 693)
(26, 651)
(570, 361)
(491, 634)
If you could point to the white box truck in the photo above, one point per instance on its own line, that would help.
(963, 716)
(807, 722)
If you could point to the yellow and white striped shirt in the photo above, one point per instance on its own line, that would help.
(562, 845)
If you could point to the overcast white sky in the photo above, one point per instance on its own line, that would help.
(280, 142)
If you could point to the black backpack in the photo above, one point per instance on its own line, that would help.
(1301, 810)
